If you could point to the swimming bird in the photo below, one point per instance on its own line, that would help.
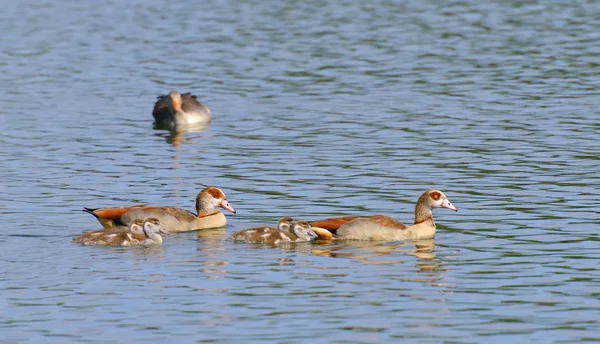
(303, 231)
(287, 231)
(208, 215)
(136, 229)
(176, 110)
(141, 232)
(381, 227)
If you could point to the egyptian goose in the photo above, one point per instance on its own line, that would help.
(287, 231)
(208, 202)
(179, 110)
(140, 233)
(381, 227)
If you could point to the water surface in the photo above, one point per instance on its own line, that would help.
(320, 109)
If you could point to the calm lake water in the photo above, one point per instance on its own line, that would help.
(320, 109)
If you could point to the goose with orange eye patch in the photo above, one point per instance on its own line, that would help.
(380, 227)
(208, 204)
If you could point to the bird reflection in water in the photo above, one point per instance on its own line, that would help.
(210, 251)
(178, 137)
(371, 252)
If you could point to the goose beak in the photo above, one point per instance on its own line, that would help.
(163, 230)
(176, 105)
(448, 205)
(225, 205)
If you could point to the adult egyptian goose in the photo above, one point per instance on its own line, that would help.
(287, 231)
(384, 228)
(177, 110)
(208, 202)
(140, 233)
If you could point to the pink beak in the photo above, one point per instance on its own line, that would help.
(446, 204)
(225, 205)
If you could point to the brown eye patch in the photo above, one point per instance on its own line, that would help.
(216, 193)
(436, 195)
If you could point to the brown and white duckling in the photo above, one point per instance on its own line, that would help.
(179, 110)
(208, 203)
(140, 233)
(380, 227)
(136, 229)
(423, 228)
(265, 235)
(287, 231)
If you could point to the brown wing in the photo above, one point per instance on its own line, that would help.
(98, 233)
(101, 234)
(173, 219)
(161, 109)
(120, 239)
(148, 211)
(386, 221)
(190, 103)
(334, 224)
(111, 217)
(87, 236)
(257, 235)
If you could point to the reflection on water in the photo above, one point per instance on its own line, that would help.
(426, 260)
(376, 252)
(214, 235)
(177, 137)
(155, 250)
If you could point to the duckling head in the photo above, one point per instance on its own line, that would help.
(285, 224)
(137, 227)
(304, 231)
(153, 225)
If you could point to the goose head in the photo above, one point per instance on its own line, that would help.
(436, 199)
(176, 101)
(210, 199)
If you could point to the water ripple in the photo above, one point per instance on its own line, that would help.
(320, 109)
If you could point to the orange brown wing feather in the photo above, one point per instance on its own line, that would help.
(334, 224)
(109, 217)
